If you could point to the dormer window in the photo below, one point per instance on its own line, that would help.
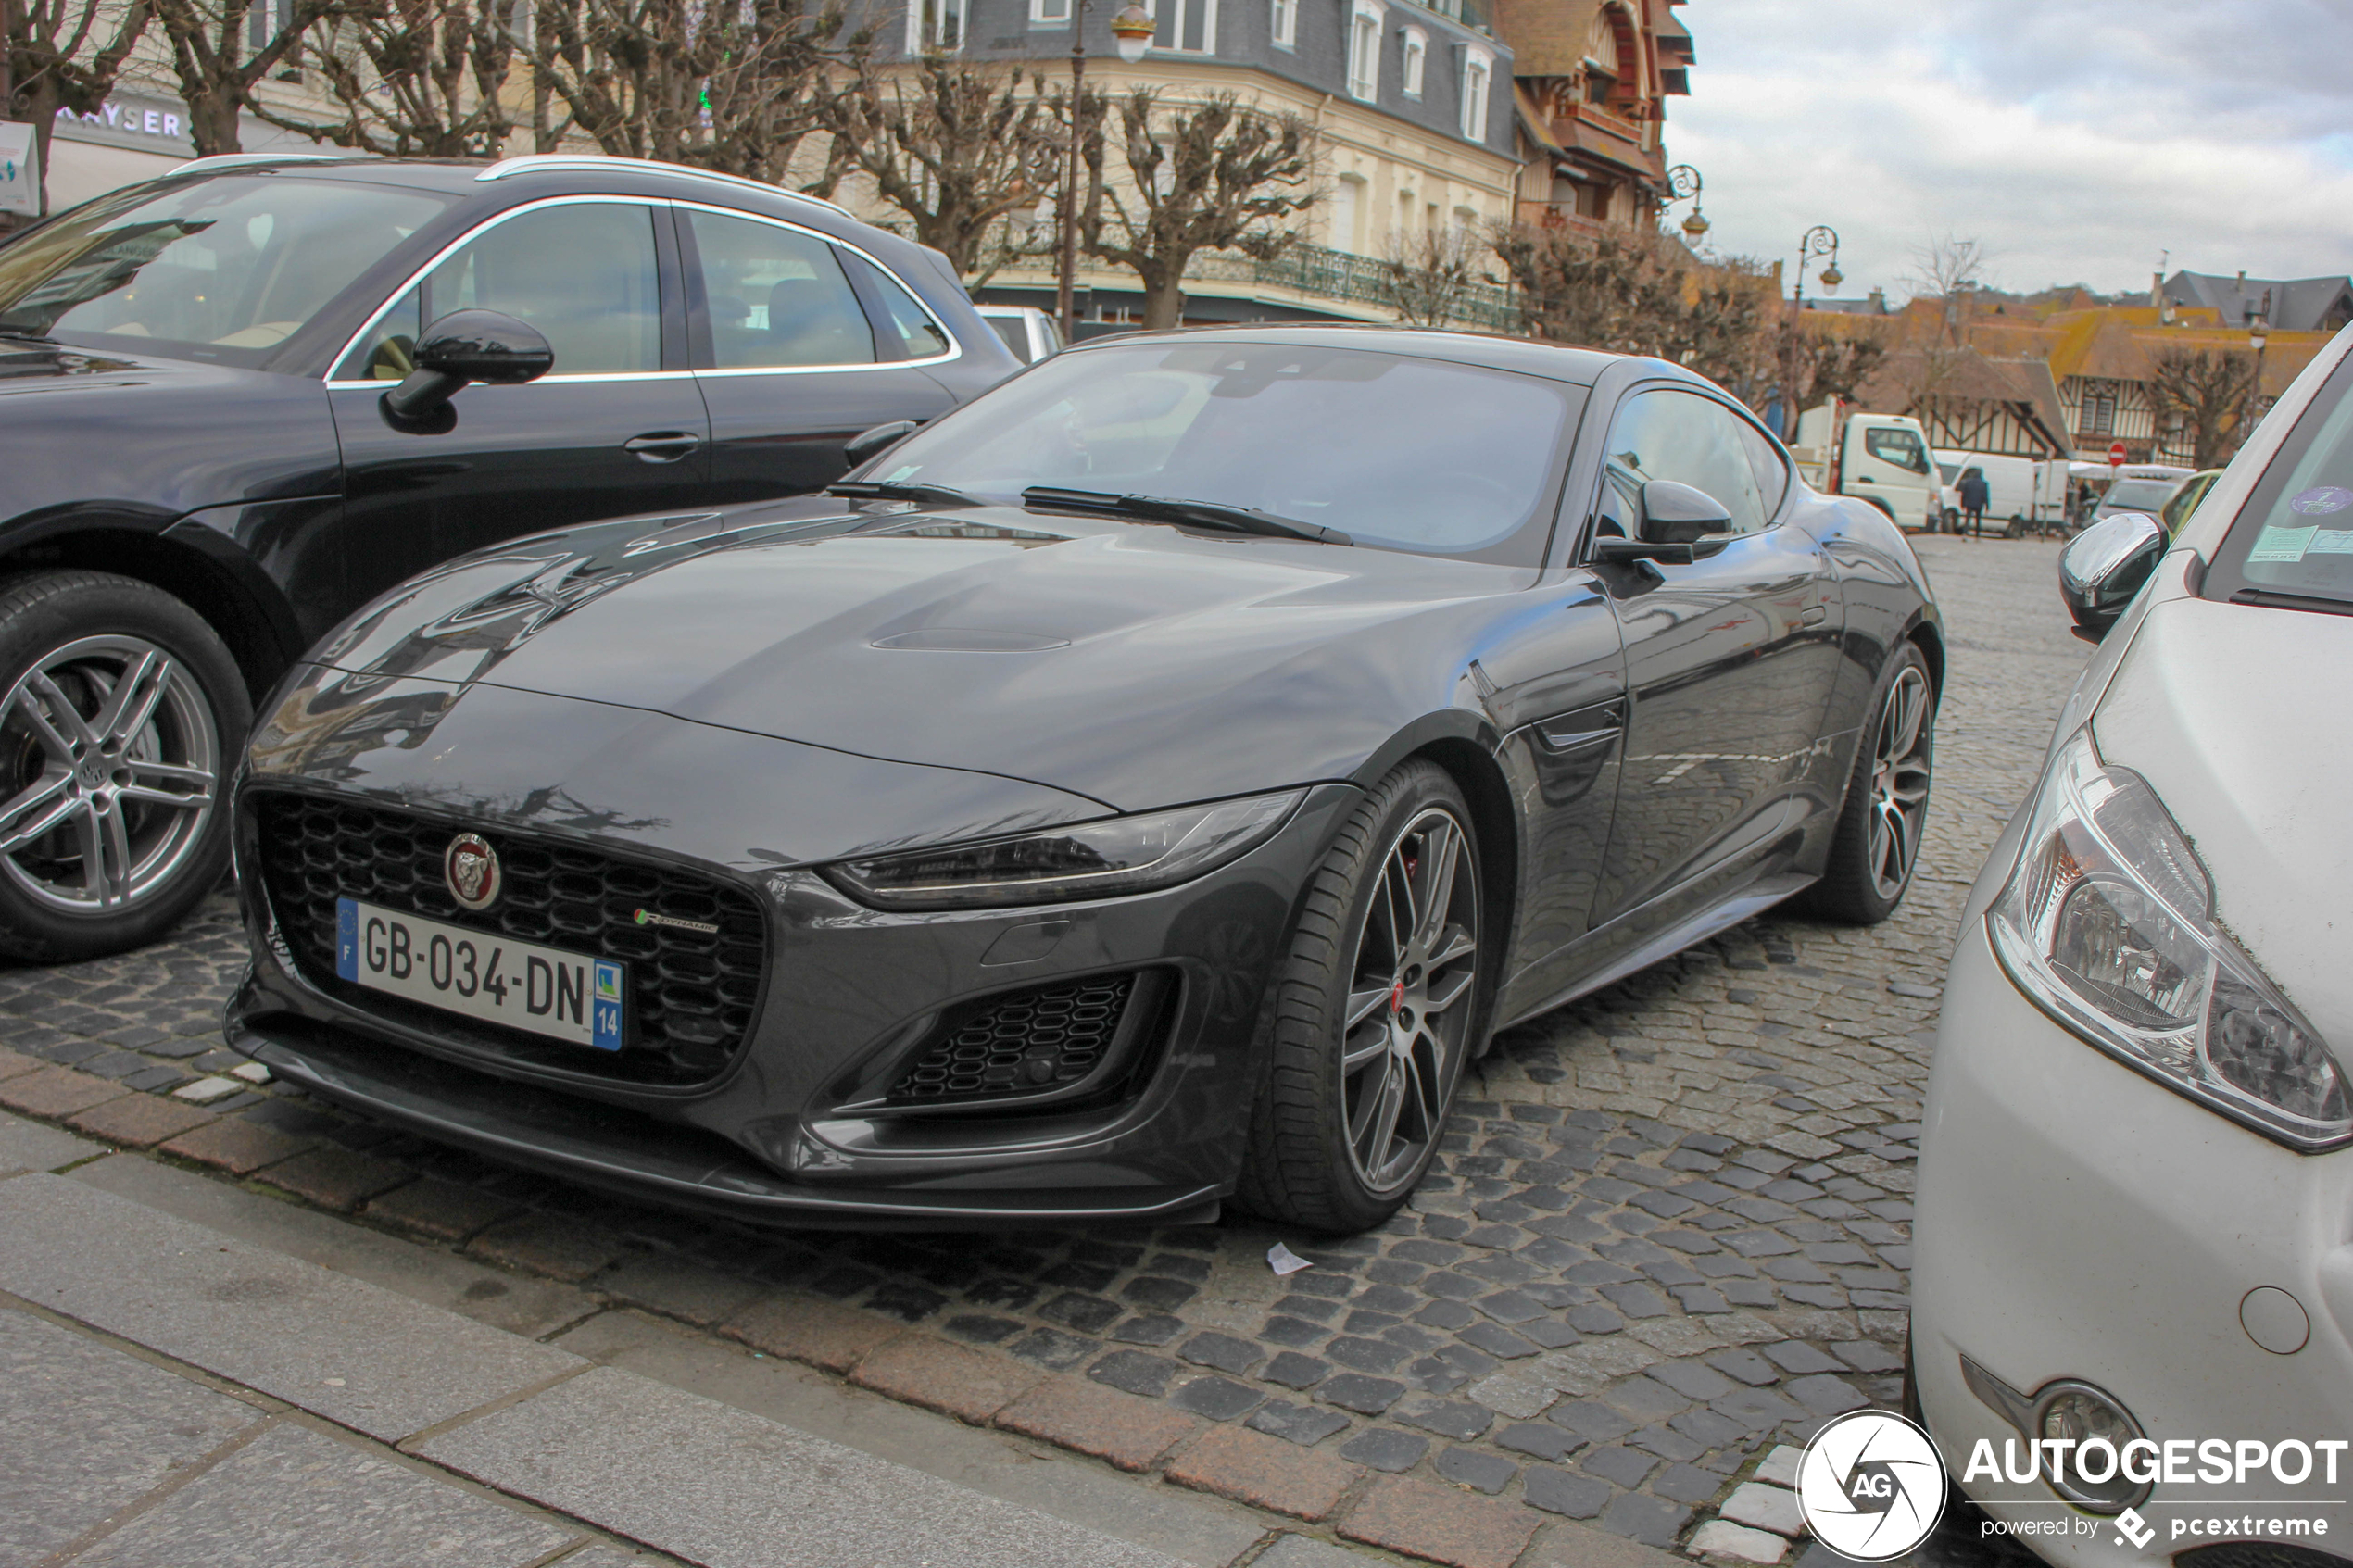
(1417, 60)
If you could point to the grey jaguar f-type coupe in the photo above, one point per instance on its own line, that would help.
(1146, 787)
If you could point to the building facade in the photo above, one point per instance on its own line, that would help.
(1591, 82)
(1410, 105)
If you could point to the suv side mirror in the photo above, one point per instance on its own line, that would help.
(2103, 566)
(868, 444)
(464, 346)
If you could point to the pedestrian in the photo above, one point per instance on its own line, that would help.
(1972, 497)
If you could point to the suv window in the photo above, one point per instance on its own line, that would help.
(776, 297)
(230, 266)
(913, 331)
(584, 273)
(1692, 440)
(1898, 447)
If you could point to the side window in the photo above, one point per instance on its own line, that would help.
(1690, 439)
(582, 273)
(776, 297)
(911, 330)
(1898, 447)
(1766, 461)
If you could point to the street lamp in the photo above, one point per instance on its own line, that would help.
(1133, 26)
(1683, 181)
(1821, 240)
(2259, 333)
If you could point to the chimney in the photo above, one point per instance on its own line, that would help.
(1879, 302)
(2242, 279)
(2157, 289)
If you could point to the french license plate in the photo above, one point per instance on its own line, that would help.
(539, 990)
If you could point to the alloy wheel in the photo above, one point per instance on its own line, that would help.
(1899, 783)
(110, 752)
(1409, 1001)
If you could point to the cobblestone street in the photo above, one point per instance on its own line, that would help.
(1670, 1229)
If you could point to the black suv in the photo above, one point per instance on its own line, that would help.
(238, 402)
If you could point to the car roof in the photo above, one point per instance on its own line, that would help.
(536, 175)
(1555, 361)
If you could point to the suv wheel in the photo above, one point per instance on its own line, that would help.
(118, 729)
(1380, 1000)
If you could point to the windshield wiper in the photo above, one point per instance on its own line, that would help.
(868, 490)
(1201, 514)
(2272, 600)
(25, 334)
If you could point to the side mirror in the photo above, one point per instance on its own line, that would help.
(464, 346)
(1680, 514)
(2103, 566)
(1679, 525)
(868, 444)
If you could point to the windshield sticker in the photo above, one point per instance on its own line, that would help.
(2332, 542)
(2321, 502)
(2280, 544)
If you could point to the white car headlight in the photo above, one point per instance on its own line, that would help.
(2107, 925)
(1101, 859)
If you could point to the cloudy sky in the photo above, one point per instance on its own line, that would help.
(2075, 139)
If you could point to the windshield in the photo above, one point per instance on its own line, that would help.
(2137, 495)
(1412, 453)
(225, 269)
(2294, 536)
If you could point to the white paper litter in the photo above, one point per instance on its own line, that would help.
(1283, 1261)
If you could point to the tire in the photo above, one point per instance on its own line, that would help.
(70, 758)
(1336, 1147)
(2016, 530)
(1952, 521)
(1876, 846)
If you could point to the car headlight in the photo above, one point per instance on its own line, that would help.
(1091, 860)
(2107, 925)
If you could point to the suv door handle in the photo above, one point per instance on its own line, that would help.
(662, 446)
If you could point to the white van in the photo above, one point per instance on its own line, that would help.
(2021, 493)
(1881, 458)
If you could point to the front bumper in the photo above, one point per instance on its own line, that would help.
(790, 1130)
(2076, 1220)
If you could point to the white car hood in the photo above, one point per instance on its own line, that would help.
(2233, 715)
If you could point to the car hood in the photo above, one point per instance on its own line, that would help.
(1137, 665)
(2224, 710)
(144, 434)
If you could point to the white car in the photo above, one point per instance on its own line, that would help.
(2134, 1223)
(1030, 333)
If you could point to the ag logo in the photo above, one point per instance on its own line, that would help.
(1871, 1486)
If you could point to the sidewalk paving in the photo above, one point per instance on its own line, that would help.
(172, 1393)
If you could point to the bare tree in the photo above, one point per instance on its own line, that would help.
(1208, 175)
(1427, 273)
(732, 86)
(1610, 290)
(956, 148)
(1820, 365)
(1950, 270)
(216, 64)
(410, 78)
(65, 54)
(2213, 393)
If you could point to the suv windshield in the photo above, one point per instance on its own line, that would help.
(2294, 538)
(224, 268)
(1412, 453)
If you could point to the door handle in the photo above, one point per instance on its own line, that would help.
(661, 446)
(1814, 615)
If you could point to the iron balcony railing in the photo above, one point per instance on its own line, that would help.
(1364, 280)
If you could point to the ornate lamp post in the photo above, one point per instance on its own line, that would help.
(1683, 181)
(1133, 26)
(2258, 334)
(1821, 240)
